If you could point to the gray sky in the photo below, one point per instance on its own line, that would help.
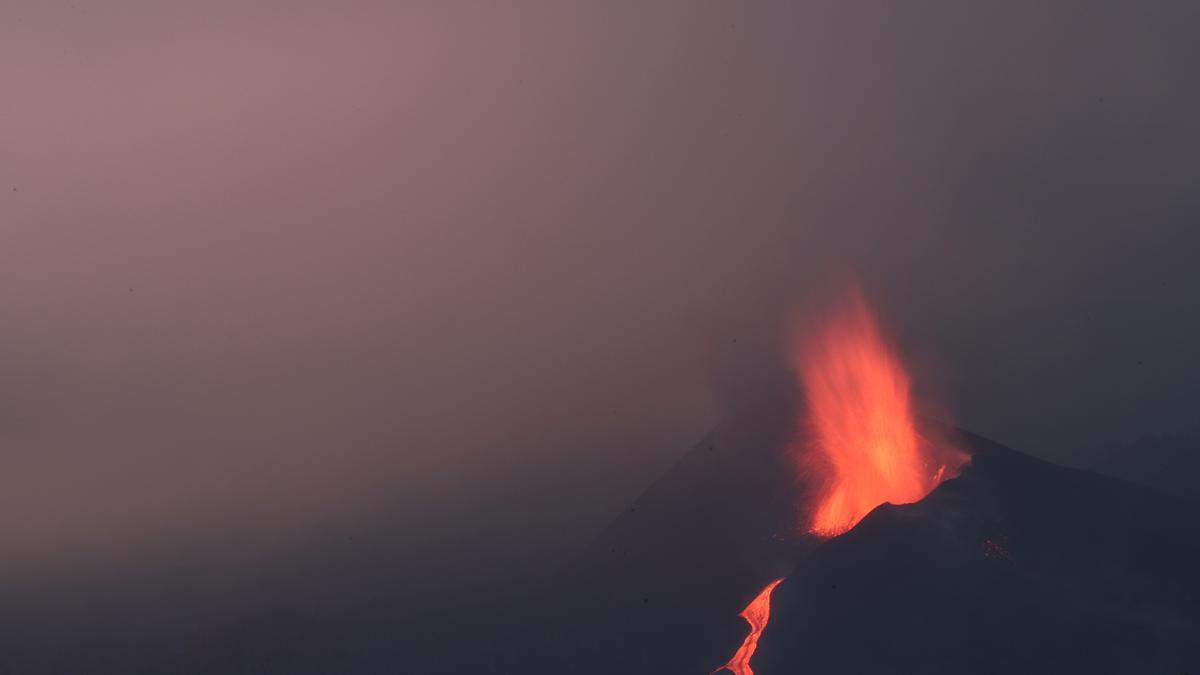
(474, 273)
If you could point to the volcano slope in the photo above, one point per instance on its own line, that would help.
(660, 589)
(1016, 566)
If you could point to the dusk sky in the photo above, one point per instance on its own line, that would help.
(463, 279)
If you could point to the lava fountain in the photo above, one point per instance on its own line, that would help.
(756, 614)
(861, 446)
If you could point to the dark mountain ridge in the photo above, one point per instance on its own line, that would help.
(1016, 566)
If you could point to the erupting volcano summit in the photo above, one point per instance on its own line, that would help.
(859, 447)
(846, 547)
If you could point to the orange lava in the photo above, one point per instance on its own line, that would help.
(863, 448)
(756, 614)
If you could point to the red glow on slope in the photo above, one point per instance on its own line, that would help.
(864, 449)
(756, 614)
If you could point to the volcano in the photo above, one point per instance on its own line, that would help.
(1014, 566)
(862, 539)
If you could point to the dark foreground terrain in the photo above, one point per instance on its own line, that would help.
(1016, 566)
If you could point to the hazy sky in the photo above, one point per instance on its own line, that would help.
(472, 275)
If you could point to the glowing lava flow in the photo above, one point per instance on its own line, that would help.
(756, 614)
(864, 449)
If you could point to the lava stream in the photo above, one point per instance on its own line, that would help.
(757, 613)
